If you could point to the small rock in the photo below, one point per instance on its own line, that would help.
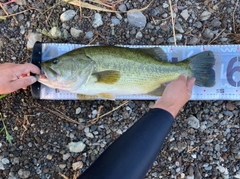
(165, 5)
(89, 35)
(136, 19)
(0, 144)
(193, 122)
(1, 166)
(185, 14)
(164, 26)
(193, 41)
(115, 20)
(77, 165)
(216, 23)
(75, 32)
(62, 166)
(90, 135)
(23, 173)
(66, 35)
(49, 157)
(78, 110)
(122, 8)
(5, 161)
(21, 2)
(97, 20)
(230, 106)
(76, 146)
(66, 156)
(67, 15)
(22, 29)
(179, 28)
(32, 39)
(55, 32)
(224, 172)
(205, 15)
(197, 24)
(208, 33)
(139, 35)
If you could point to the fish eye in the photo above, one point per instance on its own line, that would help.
(55, 61)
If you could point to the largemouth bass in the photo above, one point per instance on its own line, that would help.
(107, 71)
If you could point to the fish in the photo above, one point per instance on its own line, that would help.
(105, 72)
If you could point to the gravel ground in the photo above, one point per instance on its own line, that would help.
(205, 139)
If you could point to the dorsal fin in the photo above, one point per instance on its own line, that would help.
(156, 52)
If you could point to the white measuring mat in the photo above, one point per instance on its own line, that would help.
(227, 71)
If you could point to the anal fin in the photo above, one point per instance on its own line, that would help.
(107, 96)
(87, 97)
(158, 91)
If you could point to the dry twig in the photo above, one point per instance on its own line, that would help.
(234, 27)
(99, 117)
(173, 23)
(217, 36)
(61, 115)
(25, 125)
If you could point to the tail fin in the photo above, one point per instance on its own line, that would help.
(201, 66)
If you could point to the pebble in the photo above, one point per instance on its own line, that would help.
(62, 166)
(66, 156)
(76, 146)
(5, 161)
(75, 32)
(32, 39)
(230, 106)
(115, 20)
(205, 15)
(77, 165)
(122, 8)
(78, 110)
(21, 2)
(193, 41)
(23, 173)
(208, 33)
(179, 28)
(216, 23)
(90, 135)
(97, 21)
(185, 14)
(197, 24)
(22, 30)
(136, 19)
(55, 32)
(67, 15)
(1, 166)
(139, 35)
(49, 157)
(193, 122)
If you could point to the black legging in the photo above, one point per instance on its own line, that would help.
(133, 153)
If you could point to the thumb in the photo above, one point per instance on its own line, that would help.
(190, 84)
(22, 82)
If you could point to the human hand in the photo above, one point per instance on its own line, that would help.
(15, 76)
(176, 94)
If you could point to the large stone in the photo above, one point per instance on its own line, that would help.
(67, 15)
(32, 39)
(136, 19)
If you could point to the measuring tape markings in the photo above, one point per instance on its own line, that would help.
(227, 69)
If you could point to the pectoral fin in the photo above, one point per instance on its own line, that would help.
(107, 96)
(87, 97)
(107, 77)
(158, 91)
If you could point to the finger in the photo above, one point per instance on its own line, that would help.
(183, 77)
(190, 83)
(22, 82)
(26, 68)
